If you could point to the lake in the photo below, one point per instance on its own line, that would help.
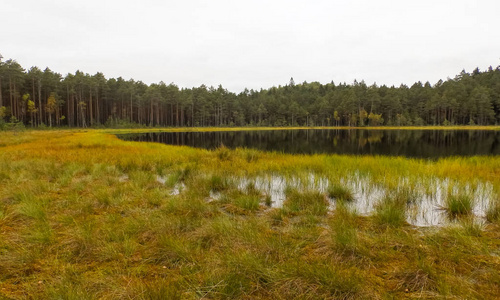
(409, 143)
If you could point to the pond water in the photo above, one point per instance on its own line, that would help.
(425, 197)
(425, 209)
(410, 143)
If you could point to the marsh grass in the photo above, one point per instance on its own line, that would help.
(31, 206)
(391, 211)
(41, 233)
(279, 216)
(306, 202)
(332, 278)
(459, 205)
(406, 195)
(344, 228)
(493, 212)
(223, 153)
(250, 155)
(173, 179)
(268, 201)
(251, 189)
(143, 179)
(156, 289)
(71, 220)
(471, 226)
(418, 277)
(219, 183)
(340, 193)
(248, 202)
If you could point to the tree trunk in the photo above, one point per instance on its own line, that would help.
(73, 123)
(157, 113)
(172, 114)
(1, 99)
(182, 117)
(151, 114)
(90, 107)
(58, 117)
(131, 111)
(34, 97)
(39, 100)
(97, 115)
(68, 105)
(177, 114)
(83, 117)
(11, 97)
(16, 103)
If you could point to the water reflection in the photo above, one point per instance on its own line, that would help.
(426, 209)
(425, 206)
(411, 143)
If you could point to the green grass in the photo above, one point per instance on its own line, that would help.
(248, 202)
(343, 226)
(340, 193)
(218, 183)
(83, 216)
(307, 202)
(493, 212)
(390, 212)
(472, 227)
(459, 205)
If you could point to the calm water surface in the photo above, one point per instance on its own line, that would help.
(411, 143)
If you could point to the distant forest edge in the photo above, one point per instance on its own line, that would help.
(45, 98)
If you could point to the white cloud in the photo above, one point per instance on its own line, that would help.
(254, 44)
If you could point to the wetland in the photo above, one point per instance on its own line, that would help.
(84, 214)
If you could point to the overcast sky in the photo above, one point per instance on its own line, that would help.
(255, 44)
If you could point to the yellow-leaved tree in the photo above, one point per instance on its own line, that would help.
(31, 107)
(32, 110)
(51, 107)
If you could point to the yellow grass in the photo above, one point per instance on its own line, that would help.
(82, 215)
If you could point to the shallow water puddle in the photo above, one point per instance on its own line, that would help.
(426, 207)
(177, 188)
(425, 202)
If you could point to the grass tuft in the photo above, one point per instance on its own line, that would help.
(493, 212)
(251, 189)
(223, 153)
(306, 202)
(156, 289)
(343, 227)
(218, 183)
(390, 212)
(472, 227)
(459, 205)
(247, 202)
(340, 193)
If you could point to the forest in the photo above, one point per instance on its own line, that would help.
(37, 98)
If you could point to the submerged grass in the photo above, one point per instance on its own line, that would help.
(84, 215)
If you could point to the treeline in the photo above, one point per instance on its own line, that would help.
(46, 98)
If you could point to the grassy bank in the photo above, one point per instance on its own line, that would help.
(187, 129)
(84, 215)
